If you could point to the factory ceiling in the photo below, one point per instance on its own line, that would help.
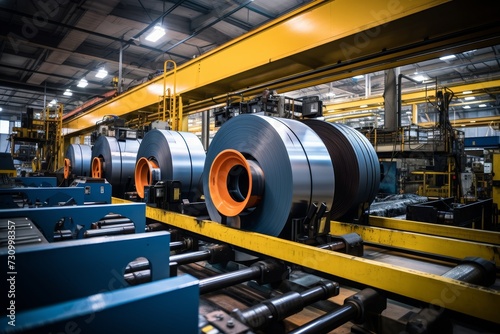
(47, 47)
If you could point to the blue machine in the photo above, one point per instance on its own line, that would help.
(78, 219)
(36, 181)
(82, 191)
(81, 284)
(26, 197)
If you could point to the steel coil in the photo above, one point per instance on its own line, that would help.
(262, 172)
(355, 163)
(171, 155)
(114, 160)
(77, 160)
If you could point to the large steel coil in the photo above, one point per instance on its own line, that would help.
(77, 160)
(261, 172)
(114, 160)
(356, 166)
(170, 155)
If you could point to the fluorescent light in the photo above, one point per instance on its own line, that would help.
(466, 107)
(102, 73)
(361, 76)
(473, 121)
(363, 106)
(420, 77)
(482, 105)
(467, 92)
(408, 112)
(67, 92)
(156, 34)
(448, 57)
(468, 98)
(1, 109)
(83, 83)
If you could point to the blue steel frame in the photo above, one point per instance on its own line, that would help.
(165, 306)
(47, 274)
(78, 218)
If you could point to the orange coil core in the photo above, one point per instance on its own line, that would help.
(231, 183)
(143, 174)
(97, 167)
(67, 168)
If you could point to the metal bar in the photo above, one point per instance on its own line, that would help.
(442, 246)
(443, 292)
(190, 257)
(328, 321)
(488, 237)
(224, 280)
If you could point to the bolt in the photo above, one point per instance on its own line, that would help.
(219, 317)
(230, 323)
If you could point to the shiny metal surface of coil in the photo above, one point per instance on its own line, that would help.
(80, 157)
(179, 156)
(296, 171)
(355, 162)
(115, 160)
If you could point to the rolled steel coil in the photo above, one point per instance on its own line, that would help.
(77, 160)
(262, 172)
(114, 160)
(170, 155)
(355, 163)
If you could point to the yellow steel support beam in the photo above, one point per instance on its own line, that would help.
(461, 233)
(443, 292)
(319, 42)
(458, 249)
(408, 98)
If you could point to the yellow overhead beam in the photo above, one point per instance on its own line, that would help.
(319, 42)
(454, 248)
(407, 98)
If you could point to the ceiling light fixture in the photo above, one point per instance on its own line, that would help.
(157, 33)
(448, 57)
(1, 108)
(361, 76)
(67, 92)
(420, 77)
(51, 103)
(466, 107)
(468, 98)
(482, 105)
(83, 83)
(363, 106)
(102, 73)
(467, 92)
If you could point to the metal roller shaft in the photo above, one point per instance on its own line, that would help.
(280, 307)
(356, 308)
(190, 257)
(263, 272)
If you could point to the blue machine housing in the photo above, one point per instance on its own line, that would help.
(78, 219)
(36, 181)
(80, 285)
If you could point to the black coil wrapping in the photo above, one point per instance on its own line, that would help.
(356, 166)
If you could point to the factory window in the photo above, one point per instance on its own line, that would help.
(4, 127)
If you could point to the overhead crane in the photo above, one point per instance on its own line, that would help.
(320, 42)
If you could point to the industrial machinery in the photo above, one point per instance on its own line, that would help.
(39, 139)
